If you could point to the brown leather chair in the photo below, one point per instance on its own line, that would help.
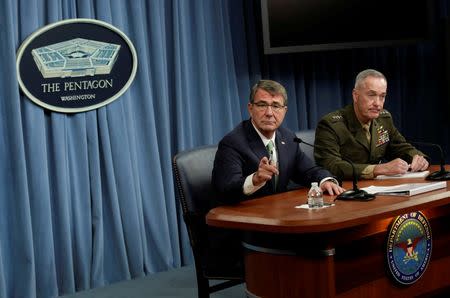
(192, 171)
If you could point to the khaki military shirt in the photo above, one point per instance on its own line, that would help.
(339, 135)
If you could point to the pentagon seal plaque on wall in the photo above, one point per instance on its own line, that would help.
(409, 247)
(76, 65)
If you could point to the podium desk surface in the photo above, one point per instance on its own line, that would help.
(279, 213)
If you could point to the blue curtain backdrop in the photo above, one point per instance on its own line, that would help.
(87, 199)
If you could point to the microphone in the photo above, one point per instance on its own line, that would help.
(442, 174)
(354, 194)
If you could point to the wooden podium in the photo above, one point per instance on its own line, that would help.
(339, 251)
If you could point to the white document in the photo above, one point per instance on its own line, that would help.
(422, 174)
(305, 206)
(407, 189)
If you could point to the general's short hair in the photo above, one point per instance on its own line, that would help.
(367, 73)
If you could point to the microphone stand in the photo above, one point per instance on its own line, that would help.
(442, 174)
(354, 194)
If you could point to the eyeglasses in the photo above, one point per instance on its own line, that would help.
(262, 106)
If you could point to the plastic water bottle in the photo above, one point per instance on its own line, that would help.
(315, 196)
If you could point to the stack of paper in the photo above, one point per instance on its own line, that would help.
(406, 175)
(407, 189)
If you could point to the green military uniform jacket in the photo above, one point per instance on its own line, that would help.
(339, 135)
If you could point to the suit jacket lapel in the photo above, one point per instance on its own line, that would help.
(281, 147)
(254, 141)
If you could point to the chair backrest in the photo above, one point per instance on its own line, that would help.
(307, 136)
(192, 172)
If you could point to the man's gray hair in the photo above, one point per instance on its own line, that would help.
(359, 81)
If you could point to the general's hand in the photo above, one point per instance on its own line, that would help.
(265, 171)
(394, 167)
(419, 163)
(332, 188)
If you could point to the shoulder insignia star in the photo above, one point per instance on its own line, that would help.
(336, 118)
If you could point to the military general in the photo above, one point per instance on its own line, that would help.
(364, 133)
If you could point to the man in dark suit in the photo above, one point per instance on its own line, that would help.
(259, 157)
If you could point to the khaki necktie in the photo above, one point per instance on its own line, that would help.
(270, 147)
(366, 128)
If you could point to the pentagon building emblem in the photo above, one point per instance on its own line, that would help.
(76, 65)
(409, 247)
(75, 58)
